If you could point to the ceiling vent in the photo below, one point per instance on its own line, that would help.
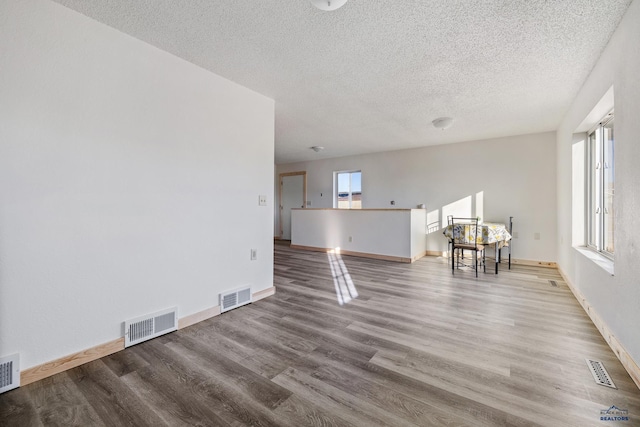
(235, 298)
(150, 326)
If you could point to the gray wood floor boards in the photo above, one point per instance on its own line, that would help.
(418, 346)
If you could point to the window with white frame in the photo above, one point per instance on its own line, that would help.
(600, 186)
(348, 190)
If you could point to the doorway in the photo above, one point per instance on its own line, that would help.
(293, 193)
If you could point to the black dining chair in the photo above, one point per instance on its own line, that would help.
(507, 244)
(465, 234)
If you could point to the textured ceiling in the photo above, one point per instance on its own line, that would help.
(372, 75)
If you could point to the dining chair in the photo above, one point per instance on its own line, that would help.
(449, 249)
(465, 234)
(507, 244)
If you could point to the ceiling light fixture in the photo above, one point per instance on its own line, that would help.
(443, 122)
(328, 4)
(317, 148)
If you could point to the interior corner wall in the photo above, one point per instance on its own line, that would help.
(129, 183)
(512, 176)
(615, 299)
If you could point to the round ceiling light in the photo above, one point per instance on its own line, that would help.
(328, 4)
(443, 122)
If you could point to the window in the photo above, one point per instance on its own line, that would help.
(348, 190)
(600, 188)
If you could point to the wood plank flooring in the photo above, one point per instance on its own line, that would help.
(411, 345)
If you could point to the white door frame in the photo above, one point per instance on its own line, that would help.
(304, 194)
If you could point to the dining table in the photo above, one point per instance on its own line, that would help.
(490, 233)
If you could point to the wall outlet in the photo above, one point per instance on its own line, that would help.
(350, 239)
(254, 254)
(262, 200)
(308, 203)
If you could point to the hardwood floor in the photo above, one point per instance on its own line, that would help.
(417, 346)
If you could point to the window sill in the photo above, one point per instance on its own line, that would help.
(600, 260)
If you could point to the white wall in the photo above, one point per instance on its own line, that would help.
(615, 299)
(129, 182)
(418, 230)
(495, 179)
(391, 232)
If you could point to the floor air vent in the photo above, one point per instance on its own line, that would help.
(9, 372)
(553, 283)
(150, 326)
(232, 299)
(600, 374)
